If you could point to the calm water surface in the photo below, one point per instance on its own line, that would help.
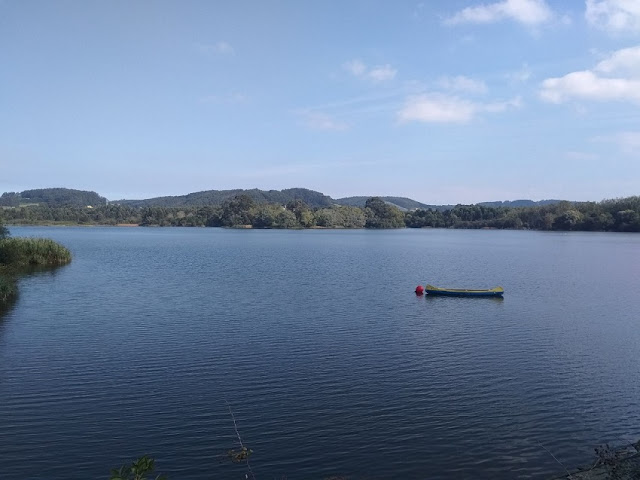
(331, 364)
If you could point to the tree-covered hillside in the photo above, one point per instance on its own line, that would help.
(53, 197)
(217, 197)
(400, 202)
(519, 203)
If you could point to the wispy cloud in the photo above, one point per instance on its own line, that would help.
(379, 73)
(628, 142)
(519, 76)
(614, 16)
(321, 121)
(442, 108)
(355, 67)
(218, 48)
(382, 73)
(234, 97)
(582, 156)
(436, 108)
(417, 11)
(461, 83)
(341, 115)
(528, 12)
(311, 168)
(614, 78)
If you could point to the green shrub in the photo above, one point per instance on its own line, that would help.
(138, 470)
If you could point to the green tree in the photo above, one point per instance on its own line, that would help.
(4, 231)
(238, 211)
(265, 216)
(627, 221)
(303, 213)
(286, 219)
(569, 220)
(382, 215)
(328, 218)
(352, 217)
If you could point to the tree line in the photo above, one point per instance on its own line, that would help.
(622, 215)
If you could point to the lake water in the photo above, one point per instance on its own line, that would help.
(330, 363)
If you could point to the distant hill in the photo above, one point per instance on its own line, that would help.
(216, 197)
(519, 203)
(57, 197)
(54, 197)
(400, 202)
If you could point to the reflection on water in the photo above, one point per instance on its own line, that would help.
(431, 298)
(17, 275)
(6, 307)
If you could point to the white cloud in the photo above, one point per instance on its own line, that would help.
(599, 83)
(614, 16)
(528, 12)
(626, 60)
(380, 73)
(322, 121)
(461, 83)
(588, 85)
(218, 48)
(440, 108)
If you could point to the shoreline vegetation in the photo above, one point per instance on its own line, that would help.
(20, 255)
(243, 211)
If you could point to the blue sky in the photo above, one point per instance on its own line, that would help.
(456, 101)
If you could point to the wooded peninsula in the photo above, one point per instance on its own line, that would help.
(301, 208)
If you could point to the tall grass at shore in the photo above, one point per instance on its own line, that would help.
(16, 253)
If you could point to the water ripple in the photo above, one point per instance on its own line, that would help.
(330, 364)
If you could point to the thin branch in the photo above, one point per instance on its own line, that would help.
(559, 462)
(235, 426)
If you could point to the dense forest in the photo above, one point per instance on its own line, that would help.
(242, 211)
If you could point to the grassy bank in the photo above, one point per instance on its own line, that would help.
(20, 254)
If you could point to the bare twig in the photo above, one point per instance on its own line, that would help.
(235, 425)
(559, 462)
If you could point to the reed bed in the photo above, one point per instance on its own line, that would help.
(16, 253)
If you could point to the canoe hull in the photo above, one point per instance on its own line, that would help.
(462, 292)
